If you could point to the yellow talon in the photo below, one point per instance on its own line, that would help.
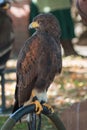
(38, 108)
(49, 107)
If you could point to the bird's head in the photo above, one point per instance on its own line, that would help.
(46, 22)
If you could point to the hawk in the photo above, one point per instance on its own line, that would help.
(38, 62)
(6, 35)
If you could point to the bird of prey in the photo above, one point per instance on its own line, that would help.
(6, 34)
(38, 62)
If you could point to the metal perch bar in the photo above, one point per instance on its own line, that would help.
(10, 123)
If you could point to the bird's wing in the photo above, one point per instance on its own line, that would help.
(27, 69)
(6, 31)
(6, 37)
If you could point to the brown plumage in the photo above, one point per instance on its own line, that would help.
(39, 60)
(6, 37)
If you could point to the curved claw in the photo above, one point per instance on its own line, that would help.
(49, 107)
(38, 108)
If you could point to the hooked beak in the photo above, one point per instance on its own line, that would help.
(34, 25)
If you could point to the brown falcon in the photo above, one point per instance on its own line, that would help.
(39, 61)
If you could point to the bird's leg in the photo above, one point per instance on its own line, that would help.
(35, 101)
(48, 106)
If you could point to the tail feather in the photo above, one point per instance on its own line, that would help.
(16, 107)
(16, 104)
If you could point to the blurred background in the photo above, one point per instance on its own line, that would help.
(67, 89)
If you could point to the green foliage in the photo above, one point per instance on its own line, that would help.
(46, 124)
